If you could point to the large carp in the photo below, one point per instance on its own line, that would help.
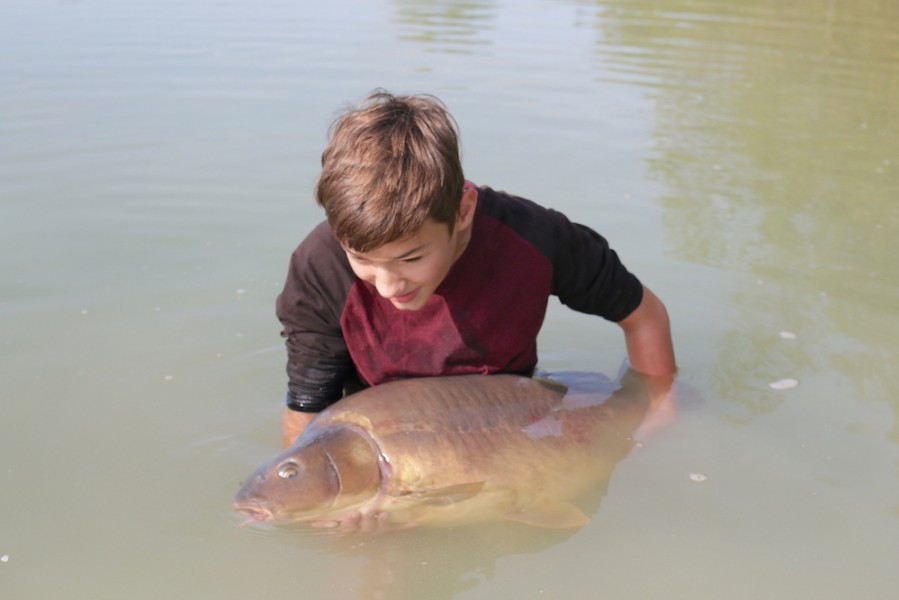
(450, 450)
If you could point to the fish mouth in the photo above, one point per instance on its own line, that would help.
(254, 512)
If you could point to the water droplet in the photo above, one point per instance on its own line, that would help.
(698, 477)
(788, 335)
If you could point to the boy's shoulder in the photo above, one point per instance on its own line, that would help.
(502, 204)
(318, 243)
(540, 226)
(320, 260)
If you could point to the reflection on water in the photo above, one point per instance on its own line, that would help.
(445, 25)
(442, 565)
(780, 155)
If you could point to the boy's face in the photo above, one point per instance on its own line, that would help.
(408, 271)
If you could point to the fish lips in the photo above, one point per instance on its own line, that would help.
(247, 503)
(253, 511)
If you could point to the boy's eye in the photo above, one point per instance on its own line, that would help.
(412, 260)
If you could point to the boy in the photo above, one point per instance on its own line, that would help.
(417, 272)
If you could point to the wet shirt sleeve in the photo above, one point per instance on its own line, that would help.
(309, 308)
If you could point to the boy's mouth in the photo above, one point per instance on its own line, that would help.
(405, 298)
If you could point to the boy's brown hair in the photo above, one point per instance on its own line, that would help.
(392, 163)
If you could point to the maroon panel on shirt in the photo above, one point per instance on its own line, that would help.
(483, 318)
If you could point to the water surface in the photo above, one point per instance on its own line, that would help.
(156, 167)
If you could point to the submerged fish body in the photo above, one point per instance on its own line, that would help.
(446, 451)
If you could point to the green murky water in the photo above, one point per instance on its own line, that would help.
(156, 167)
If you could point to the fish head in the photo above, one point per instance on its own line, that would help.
(321, 477)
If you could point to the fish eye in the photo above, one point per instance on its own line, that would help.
(288, 470)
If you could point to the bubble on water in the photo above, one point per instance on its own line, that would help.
(169, 377)
(4, 558)
(788, 335)
(784, 384)
(697, 477)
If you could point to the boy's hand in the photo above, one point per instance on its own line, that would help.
(662, 407)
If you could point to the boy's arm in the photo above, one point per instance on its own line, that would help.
(647, 334)
(293, 423)
(309, 308)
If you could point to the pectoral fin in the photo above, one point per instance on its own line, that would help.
(552, 384)
(450, 494)
(557, 516)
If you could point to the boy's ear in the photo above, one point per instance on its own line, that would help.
(467, 206)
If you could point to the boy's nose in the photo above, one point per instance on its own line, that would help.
(388, 284)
